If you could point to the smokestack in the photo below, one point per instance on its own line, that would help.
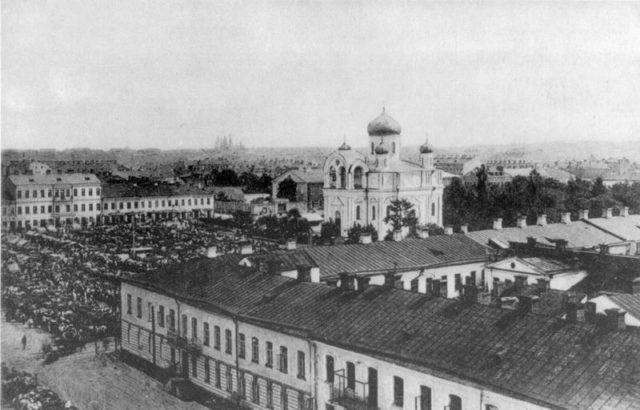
(291, 244)
(464, 228)
(608, 213)
(448, 230)
(365, 238)
(584, 214)
(531, 241)
(362, 283)
(542, 220)
(497, 224)
(304, 273)
(590, 312)
(566, 218)
(246, 249)
(612, 318)
(423, 233)
(572, 312)
(212, 252)
(625, 211)
(390, 279)
(346, 282)
(522, 222)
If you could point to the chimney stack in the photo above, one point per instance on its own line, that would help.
(542, 220)
(625, 211)
(362, 282)
(291, 244)
(590, 312)
(346, 282)
(571, 310)
(531, 241)
(524, 304)
(612, 318)
(497, 224)
(212, 252)
(464, 228)
(246, 249)
(390, 279)
(304, 273)
(584, 214)
(522, 222)
(448, 230)
(608, 213)
(365, 238)
(423, 233)
(397, 235)
(604, 249)
(566, 218)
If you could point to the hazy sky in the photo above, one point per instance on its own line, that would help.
(172, 74)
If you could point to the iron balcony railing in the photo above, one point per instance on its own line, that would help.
(351, 394)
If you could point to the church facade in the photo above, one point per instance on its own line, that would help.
(359, 188)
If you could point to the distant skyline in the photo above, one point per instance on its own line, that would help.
(178, 74)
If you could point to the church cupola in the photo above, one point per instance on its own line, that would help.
(383, 128)
(382, 154)
(426, 156)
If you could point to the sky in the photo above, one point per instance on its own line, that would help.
(177, 74)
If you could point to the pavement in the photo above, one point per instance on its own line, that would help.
(89, 381)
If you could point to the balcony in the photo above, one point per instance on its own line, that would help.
(351, 396)
(192, 344)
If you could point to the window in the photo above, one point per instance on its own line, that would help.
(27, 210)
(393, 147)
(284, 359)
(90, 191)
(139, 307)
(194, 365)
(150, 311)
(26, 193)
(458, 281)
(135, 204)
(35, 193)
(19, 194)
(255, 390)
(172, 319)
(163, 203)
(90, 207)
(19, 210)
(255, 350)
(227, 336)
(284, 398)
(181, 202)
(82, 192)
(229, 379)
(269, 394)
(372, 148)
(216, 337)
(128, 304)
(301, 400)
(35, 210)
(128, 205)
(42, 193)
(455, 402)
(206, 370)
(49, 208)
(330, 368)
(49, 193)
(351, 375)
(398, 391)
(241, 346)
(82, 207)
(425, 398)
(301, 365)
(433, 209)
(218, 374)
(269, 362)
(113, 205)
(373, 213)
(161, 316)
(75, 191)
(185, 325)
(149, 204)
(121, 205)
(490, 407)
(358, 212)
(357, 178)
(57, 208)
(97, 207)
(205, 333)
(97, 191)
(241, 386)
(194, 328)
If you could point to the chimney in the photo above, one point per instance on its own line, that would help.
(635, 286)
(571, 310)
(423, 233)
(531, 241)
(470, 294)
(362, 282)
(464, 228)
(590, 312)
(543, 284)
(246, 249)
(524, 304)
(522, 222)
(291, 244)
(561, 244)
(612, 318)
(608, 213)
(566, 218)
(622, 325)
(365, 238)
(497, 224)
(397, 235)
(583, 214)
(625, 211)
(542, 220)
(212, 252)
(346, 282)
(304, 273)
(604, 249)
(390, 279)
(448, 230)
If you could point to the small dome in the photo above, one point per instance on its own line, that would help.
(382, 148)
(344, 147)
(383, 125)
(426, 148)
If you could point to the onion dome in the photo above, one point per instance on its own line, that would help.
(382, 148)
(383, 125)
(426, 148)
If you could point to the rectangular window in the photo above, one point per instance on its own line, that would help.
(205, 333)
(217, 374)
(75, 191)
(161, 316)
(156, 203)
(97, 207)
(185, 325)
(90, 207)
(19, 194)
(172, 319)
(42, 209)
(330, 368)
(255, 350)
(121, 205)
(241, 386)
(57, 208)
(228, 341)
(301, 365)
(255, 390)
(458, 281)
(141, 204)
(97, 191)
(149, 205)
(181, 202)
(425, 398)
(90, 191)
(19, 210)
(398, 391)
(194, 328)
(82, 207)
(241, 346)
(284, 360)
(216, 337)
(82, 192)
(135, 204)
(455, 402)
(42, 193)
(35, 193)
(128, 205)
(35, 210)
(128, 304)
(26, 193)
(206, 370)
(351, 375)
(27, 210)
(113, 205)
(194, 365)
(49, 208)
(269, 362)
(284, 397)
(269, 394)
(68, 208)
(139, 307)
(229, 379)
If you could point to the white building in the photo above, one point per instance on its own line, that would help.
(41, 200)
(359, 188)
(526, 271)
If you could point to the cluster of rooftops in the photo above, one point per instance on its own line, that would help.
(542, 359)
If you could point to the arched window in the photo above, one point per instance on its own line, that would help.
(332, 177)
(372, 151)
(393, 147)
(357, 178)
(373, 213)
(343, 177)
(357, 212)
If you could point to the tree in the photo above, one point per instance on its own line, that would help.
(329, 230)
(227, 177)
(356, 231)
(400, 215)
(287, 189)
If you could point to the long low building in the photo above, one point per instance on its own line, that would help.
(269, 341)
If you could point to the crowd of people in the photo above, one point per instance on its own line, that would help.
(22, 390)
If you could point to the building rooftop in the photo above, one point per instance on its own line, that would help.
(131, 190)
(309, 176)
(629, 302)
(52, 179)
(538, 358)
(624, 227)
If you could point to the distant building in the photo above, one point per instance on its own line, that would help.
(457, 164)
(548, 273)
(41, 200)
(625, 303)
(359, 188)
(308, 190)
(38, 168)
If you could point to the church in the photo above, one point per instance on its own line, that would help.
(359, 188)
